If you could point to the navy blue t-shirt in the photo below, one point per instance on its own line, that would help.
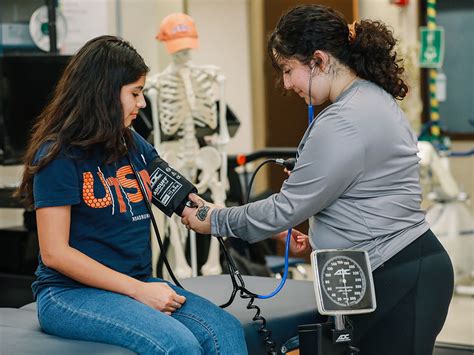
(109, 219)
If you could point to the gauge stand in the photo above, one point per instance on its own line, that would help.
(339, 320)
(331, 338)
(343, 285)
(341, 335)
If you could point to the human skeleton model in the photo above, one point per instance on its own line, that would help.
(182, 97)
(449, 217)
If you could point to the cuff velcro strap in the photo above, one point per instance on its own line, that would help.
(169, 188)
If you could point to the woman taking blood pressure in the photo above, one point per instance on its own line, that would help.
(356, 177)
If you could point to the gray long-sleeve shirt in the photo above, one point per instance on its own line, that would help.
(356, 178)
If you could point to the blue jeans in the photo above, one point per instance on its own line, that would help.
(198, 327)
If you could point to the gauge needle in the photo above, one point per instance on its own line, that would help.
(343, 273)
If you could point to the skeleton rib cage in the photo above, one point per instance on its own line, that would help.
(172, 100)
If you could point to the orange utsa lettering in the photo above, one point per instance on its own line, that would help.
(129, 183)
(88, 193)
(119, 182)
(114, 182)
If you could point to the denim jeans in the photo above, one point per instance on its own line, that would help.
(198, 327)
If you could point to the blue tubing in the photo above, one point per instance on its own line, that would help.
(310, 114)
(285, 274)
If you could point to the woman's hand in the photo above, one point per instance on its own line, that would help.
(198, 218)
(160, 296)
(299, 242)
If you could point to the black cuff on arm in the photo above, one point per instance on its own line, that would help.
(169, 188)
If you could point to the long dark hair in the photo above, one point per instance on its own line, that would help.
(85, 109)
(370, 53)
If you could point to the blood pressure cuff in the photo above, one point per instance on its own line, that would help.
(169, 188)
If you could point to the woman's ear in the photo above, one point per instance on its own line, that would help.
(320, 60)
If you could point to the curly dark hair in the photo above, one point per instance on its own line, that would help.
(85, 109)
(307, 28)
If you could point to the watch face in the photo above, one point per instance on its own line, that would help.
(343, 281)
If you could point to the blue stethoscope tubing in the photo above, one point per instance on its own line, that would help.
(310, 103)
(285, 274)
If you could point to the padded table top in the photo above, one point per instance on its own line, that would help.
(20, 332)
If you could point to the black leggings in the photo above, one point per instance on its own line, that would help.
(413, 291)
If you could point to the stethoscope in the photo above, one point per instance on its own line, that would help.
(238, 283)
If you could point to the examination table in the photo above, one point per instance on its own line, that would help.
(20, 332)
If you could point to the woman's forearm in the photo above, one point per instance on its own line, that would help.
(81, 268)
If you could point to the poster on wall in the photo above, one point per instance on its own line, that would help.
(85, 20)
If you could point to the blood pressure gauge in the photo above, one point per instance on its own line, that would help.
(343, 282)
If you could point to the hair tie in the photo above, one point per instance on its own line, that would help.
(352, 32)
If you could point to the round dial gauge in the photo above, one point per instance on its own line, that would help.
(343, 281)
